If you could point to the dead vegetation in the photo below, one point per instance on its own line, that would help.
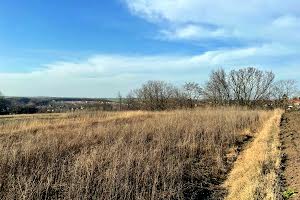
(122, 155)
(254, 175)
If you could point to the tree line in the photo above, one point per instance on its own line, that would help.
(8, 106)
(160, 95)
(246, 87)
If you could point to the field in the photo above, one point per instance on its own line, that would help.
(290, 138)
(183, 154)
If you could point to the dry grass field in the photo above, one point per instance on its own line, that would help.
(123, 155)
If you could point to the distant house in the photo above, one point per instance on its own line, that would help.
(295, 102)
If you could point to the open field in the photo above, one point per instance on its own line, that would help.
(290, 138)
(183, 154)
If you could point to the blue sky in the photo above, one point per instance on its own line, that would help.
(96, 48)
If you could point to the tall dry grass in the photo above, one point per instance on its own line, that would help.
(120, 155)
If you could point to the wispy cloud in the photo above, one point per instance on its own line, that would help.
(251, 20)
(192, 32)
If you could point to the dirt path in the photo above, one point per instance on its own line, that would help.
(290, 138)
(254, 175)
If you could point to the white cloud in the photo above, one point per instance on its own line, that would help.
(213, 11)
(287, 21)
(192, 32)
(105, 75)
(244, 20)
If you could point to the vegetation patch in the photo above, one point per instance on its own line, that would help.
(289, 193)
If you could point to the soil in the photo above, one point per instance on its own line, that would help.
(290, 138)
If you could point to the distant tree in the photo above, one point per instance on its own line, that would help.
(131, 101)
(156, 95)
(284, 87)
(4, 105)
(27, 109)
(120, 100)
(217, 88)
(244, 86)
(192, 92)
(251, 84)
(180, 98)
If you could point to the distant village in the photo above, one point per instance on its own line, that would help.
(57, 106)
(27, 105)
(294, 104)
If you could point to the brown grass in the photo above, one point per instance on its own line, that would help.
(120, 155)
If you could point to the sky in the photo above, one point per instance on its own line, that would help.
(96, 48)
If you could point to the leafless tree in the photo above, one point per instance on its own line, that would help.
(243, 86)
(246, 86)
(217, 88)
(131, 101)
(284, 87)
(156, 95)
(250, 84)
(179, 98)
(192, 92)
(120, 100)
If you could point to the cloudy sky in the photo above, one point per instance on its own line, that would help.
(95, 48)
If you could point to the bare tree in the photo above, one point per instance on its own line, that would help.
(131, 101)
(160, 95)
(120, 100)
(243, 86)
(284, 87)
(156, 95)
(250, 85)
(192, 91)
(217, 88)
(179, 98)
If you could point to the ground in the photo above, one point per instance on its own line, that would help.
(212, 153)
(290, 138)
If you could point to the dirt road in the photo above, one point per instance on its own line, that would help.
(254, 175)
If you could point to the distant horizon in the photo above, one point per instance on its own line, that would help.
(95, 49)
(60, 97)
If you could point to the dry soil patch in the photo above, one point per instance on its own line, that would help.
(290, 138)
